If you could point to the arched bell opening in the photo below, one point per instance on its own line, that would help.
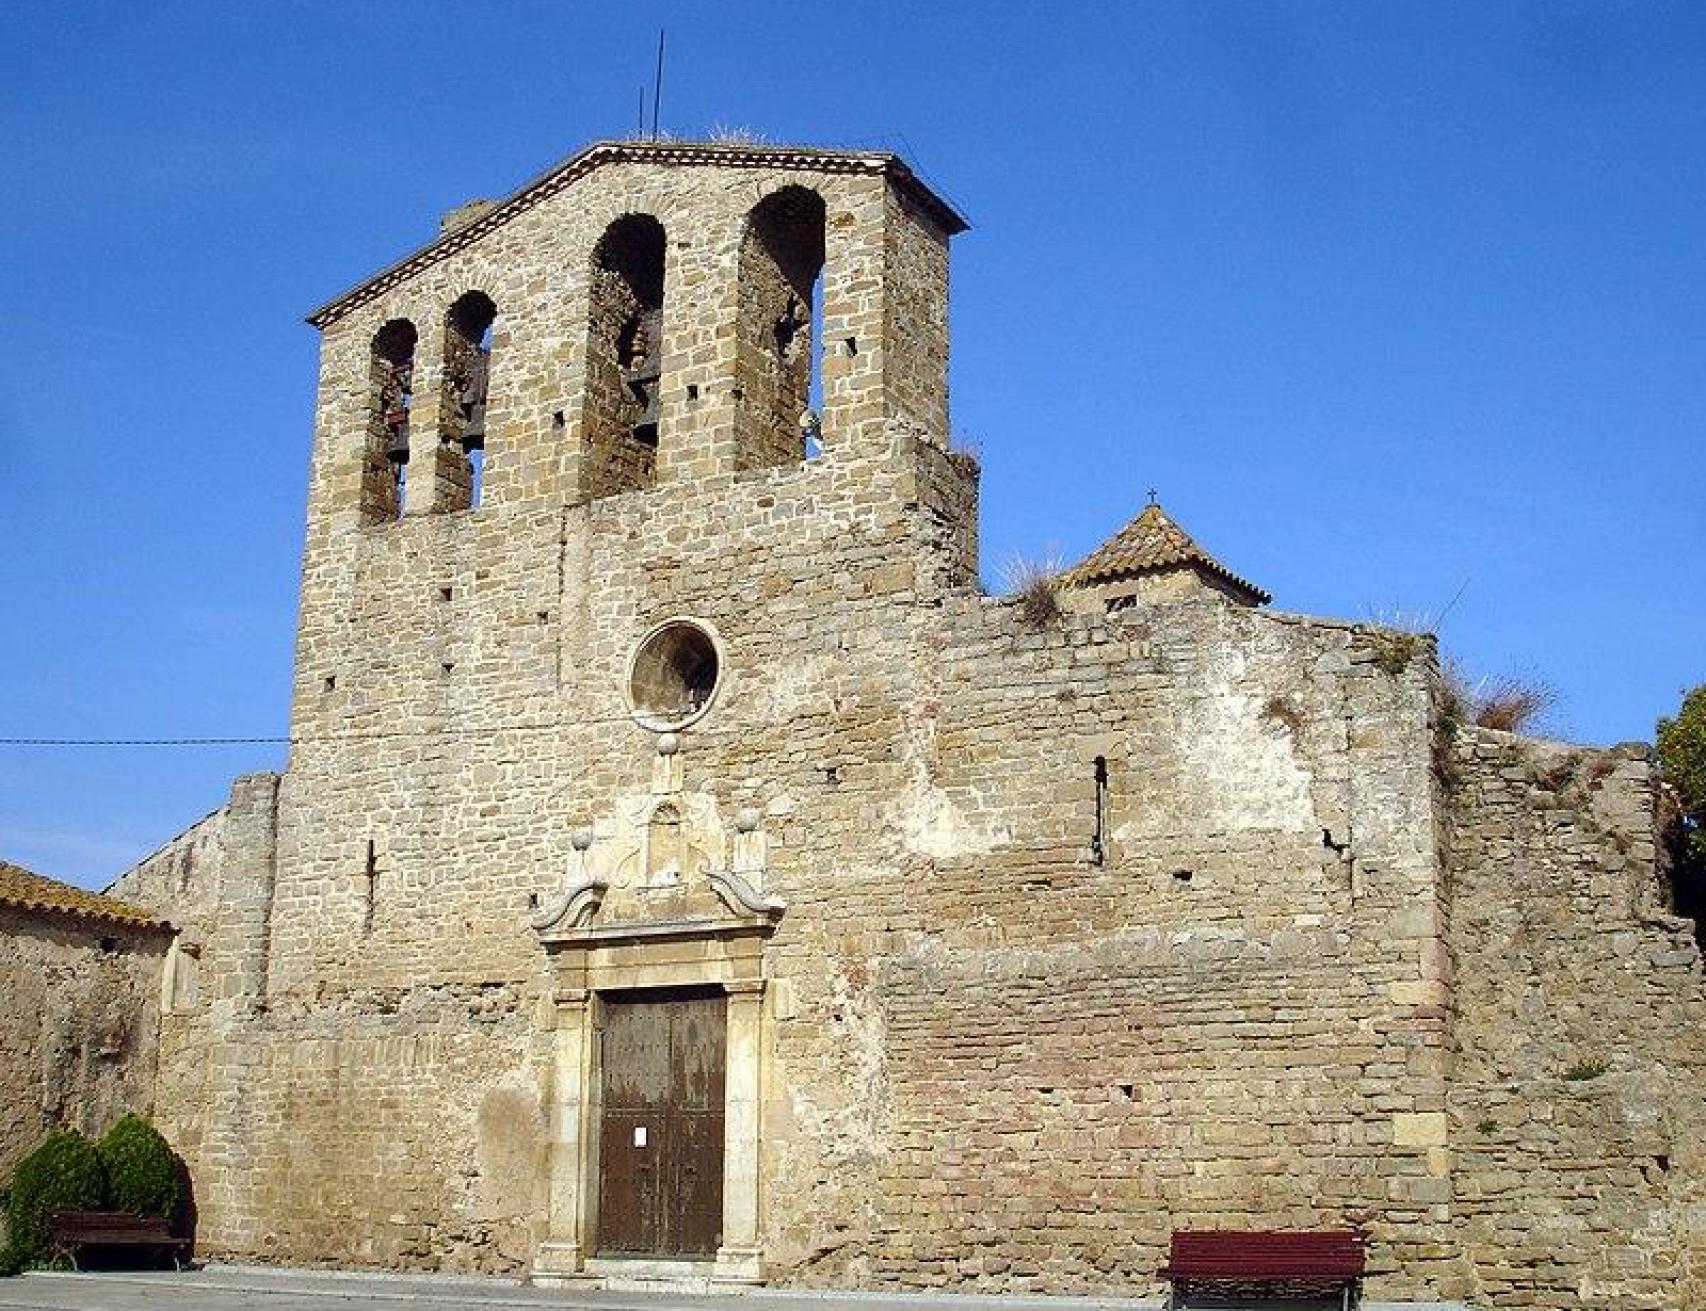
(624, 359)
(391, 389)
(779, 329)
(468, 331)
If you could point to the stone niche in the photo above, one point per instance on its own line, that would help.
(661, 895)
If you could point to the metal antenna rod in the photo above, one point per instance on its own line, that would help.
(657, 87)
(642, 128)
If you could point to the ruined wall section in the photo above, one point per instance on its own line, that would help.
(214, 882)
(1579, 1085)
(77, 1030)
(1053, 1062)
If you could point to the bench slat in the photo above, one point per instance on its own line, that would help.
(113, 1229)
(1259, 1255)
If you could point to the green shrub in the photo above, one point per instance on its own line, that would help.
(63, 1174)
(141, 1169)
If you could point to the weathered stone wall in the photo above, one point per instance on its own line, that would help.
(78, 1024)
(1579, 1081)
(214, 882)
(999, 1052)
(1054, 1062)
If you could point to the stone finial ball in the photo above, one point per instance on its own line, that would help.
(668, 744)
(581, 838)
(746, 819)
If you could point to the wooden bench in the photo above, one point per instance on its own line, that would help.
(72, 1231)
(1312, 1265)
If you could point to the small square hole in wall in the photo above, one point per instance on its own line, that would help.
(1182, 875)
(331, 682)
(447, 665)
(851, 345)
(557, 420)
(692, 391)
(445, 593)
(1123, 1093)
(544, 616)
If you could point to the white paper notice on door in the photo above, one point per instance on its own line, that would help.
(639, 1135)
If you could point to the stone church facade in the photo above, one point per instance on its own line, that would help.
(684, 871)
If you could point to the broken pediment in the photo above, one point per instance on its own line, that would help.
(661, 865)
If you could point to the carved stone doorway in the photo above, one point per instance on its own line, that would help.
(597, 969)
(657, 951)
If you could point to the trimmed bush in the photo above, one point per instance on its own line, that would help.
(63, 1174)
(141, 1170)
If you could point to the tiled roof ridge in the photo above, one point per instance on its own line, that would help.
(599, 153)
(1151, 542)
(26, 890)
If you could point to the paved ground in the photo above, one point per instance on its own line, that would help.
(244, 1288)
(260, 1288)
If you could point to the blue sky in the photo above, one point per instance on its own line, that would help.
(1393, 303)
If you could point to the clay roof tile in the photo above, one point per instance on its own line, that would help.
(23, 890)
(1151, 543)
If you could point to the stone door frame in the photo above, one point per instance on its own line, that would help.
(587, 962)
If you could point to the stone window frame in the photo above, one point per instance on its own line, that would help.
(674, 724)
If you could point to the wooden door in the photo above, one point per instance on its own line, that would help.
(661, 1131)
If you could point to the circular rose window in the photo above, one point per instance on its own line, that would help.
(673, 674)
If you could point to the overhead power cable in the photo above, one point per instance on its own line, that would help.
(141, 741)
(311, 739)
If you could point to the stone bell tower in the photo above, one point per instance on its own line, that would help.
(648, 317)
(645, 313)
(598, 475)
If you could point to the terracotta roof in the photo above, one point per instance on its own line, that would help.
(1151, 543)
(725, 155)
(26, 891)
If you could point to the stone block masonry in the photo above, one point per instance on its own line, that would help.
(1039, 940)
(1579, 1079)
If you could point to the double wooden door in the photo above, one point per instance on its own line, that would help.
(661, 1128)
